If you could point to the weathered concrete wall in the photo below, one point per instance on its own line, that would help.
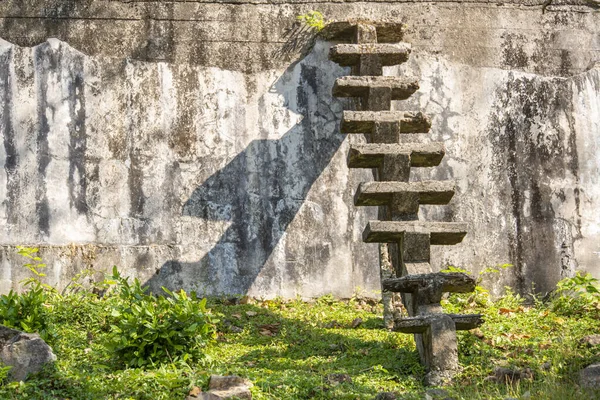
(195, 146)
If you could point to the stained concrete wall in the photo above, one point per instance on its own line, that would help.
(195, 144)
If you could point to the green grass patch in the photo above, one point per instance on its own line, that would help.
(289, 348)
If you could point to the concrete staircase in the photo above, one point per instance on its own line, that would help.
(405, 240)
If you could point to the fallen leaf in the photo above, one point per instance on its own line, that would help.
(477, 333)
(238, 316)
(195, 391)
(251, 313)
(268, 329)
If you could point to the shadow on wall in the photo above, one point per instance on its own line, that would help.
(260, 192)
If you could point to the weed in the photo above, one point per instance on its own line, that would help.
(576, 295)
(313, 19)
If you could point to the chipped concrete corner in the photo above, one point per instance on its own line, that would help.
(196, 144)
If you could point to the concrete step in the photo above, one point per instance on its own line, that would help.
(453, 282)
(382, 193)
(441, 233)
(365, 121)
(359, 86)
(345, 31)
(372, 155)
(419, 324)
(349, 55)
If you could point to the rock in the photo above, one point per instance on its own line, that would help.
(437, 394)
(356, 323)
(336, 379)
(26, 353)
(591, 340)
(386, 396)
(508, 375)
(203, 396)
(589, 377)
(332, 324)
(235, 329)
(227, 387)
(546, 366)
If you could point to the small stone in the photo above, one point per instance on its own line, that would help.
(546, 366)
(235, 329)
(386, 396)
(589, 377)
(437, 394)
(332, 324)
(508, 375)
(356, 323)
(591, 340)
(204, 396)
(227, 387)
(26, 353)
(251, 313)
(336, 379)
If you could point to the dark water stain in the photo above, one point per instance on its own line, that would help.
(529, 156)
(45, 60)
(11, 162)
(77, 180)
(512, 51)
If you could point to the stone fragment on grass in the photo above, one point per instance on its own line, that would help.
(437, 394)
(336, 379)
(386, 396)
(227, 387)
(509, 375)
(589, 377)
(26, 353)
(591, 340)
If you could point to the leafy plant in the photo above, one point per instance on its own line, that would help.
(34, 267)
(313, 19)
(28, 310)
(578, 294)
(148, 330)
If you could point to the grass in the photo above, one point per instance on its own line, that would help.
(288, 348)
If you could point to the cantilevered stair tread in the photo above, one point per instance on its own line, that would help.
(364, 121)
(371, 155)
(387, 31)
(359, 86)
(441, 233)
(453, 282)
(419, 324)
(347, 54)
(382, 193)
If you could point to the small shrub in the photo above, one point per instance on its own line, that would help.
(28, 311)
(577, 295)
(148, 330)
